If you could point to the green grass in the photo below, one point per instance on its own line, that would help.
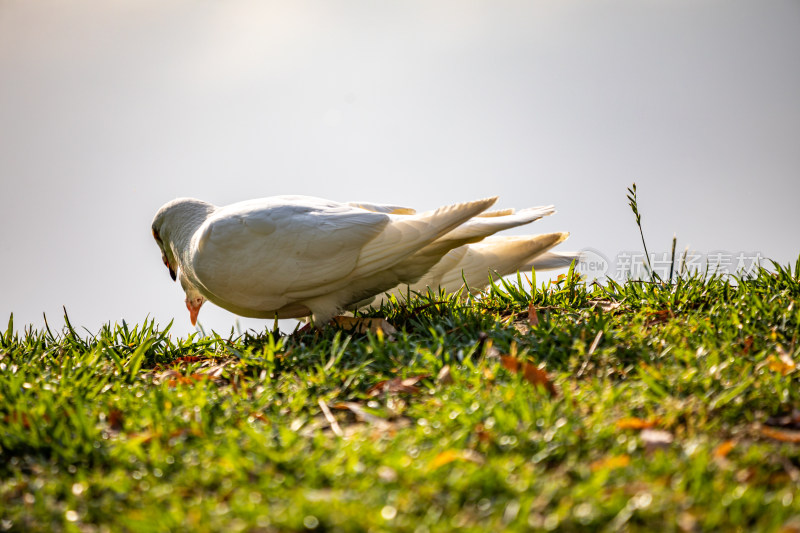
(135, 430)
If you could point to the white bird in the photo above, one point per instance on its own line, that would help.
(294, 256)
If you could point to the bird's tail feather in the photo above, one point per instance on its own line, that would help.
(482, 226)
(407, 234)
(552, 260)
(500, 255)
(473, 230)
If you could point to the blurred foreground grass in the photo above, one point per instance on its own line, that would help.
(672, 407)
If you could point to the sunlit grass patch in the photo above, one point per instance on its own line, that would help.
(645, 404)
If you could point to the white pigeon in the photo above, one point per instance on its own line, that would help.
(294, 256)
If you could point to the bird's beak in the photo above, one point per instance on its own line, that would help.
(194, 308)
(172, 272)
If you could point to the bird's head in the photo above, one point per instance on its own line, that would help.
(173, 227)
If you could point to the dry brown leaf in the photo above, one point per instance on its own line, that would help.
(659, 317)
(195, 432)
(522, 328)
(482, 433)
(636, 423)
(18, 417)
(215, 371)
(533, 317)
(448, 456)
(661, 314)
(444, 377)
(188, 359)
(144, 437)
(605, 305)
(748, 344)
(187, 380)
(783, 435)
(530, 372)
(783, 363)
(396, 385)
(610, 463)
(115, 419)
(721, 451)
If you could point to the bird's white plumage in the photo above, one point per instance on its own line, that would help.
(263, 255)
(491, 258)
(495, 255)
(292, 256)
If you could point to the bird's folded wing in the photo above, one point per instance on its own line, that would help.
(383, 208)
(251, 252)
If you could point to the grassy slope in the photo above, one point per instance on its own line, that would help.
(119, 431)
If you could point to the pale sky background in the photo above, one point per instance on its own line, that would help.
(110, 108)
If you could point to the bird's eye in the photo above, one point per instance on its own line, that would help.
(156, 236)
